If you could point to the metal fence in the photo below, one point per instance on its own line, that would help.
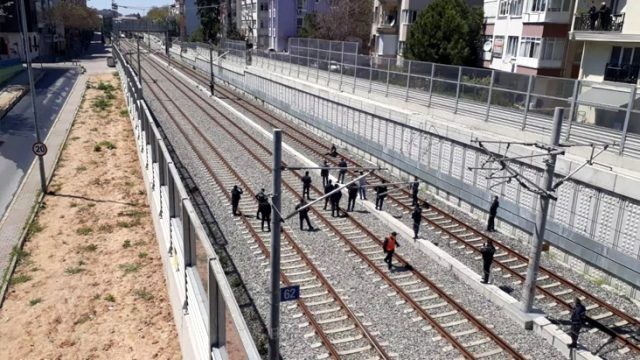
(207, 315)
(609, 112)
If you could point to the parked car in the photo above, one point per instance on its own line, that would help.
(335, 66)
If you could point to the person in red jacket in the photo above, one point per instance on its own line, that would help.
(389, 247)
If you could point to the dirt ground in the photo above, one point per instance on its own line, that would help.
(89, 284)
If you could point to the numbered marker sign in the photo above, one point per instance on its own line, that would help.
(39, 148)
(290, 293)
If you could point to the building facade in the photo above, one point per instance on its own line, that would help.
(392, 20)
(283, 19)
(527, 36)
(11, 46)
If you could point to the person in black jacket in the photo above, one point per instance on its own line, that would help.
(236, 193)
(488, 250)
(593, 16)
(335, 201)
(333, 152)
(343, 170)
(327, 189)
(578, 317)
(304, 215)
(324, 173)
(493, 211)
(262, 198)
(415, 187)
(381, 193)
(306, 185)
(605, 16)
(416, 215)
(352, 190)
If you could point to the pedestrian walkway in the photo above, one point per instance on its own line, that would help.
(12, 225)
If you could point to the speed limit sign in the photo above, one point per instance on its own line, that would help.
(39, 148)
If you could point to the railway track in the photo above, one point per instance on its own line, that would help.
(552, 288)
(442, 313)
(340, 331)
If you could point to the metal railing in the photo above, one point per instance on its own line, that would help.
(627, 73)
(208, 318)
(585, 22)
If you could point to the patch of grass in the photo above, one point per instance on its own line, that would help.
(126, 244)
(34, 228)
(124, 112)
(129, 184)
(19, 254)
(105, 228)
(75, 138)
(35, 301)
(97, 148)
(95, 297)
(101, 103)
(82, 319)
(73, 204)
(73, 270)
(599, 281)
(85, 230)
(235, 282)
(19, 279)
(81, 168)
(129, 268)
(105, 86)
(143, 294)
(110, 298)
(136, 214)
(142, 255)
(93, 129)
(128, 224)
(106, 144)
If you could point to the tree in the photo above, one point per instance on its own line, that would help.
(158, 15)
(345, 21)
(447, 32)
(309, 26)
(209, 12)
(73, 16)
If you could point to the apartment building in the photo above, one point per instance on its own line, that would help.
(610, 47)
(284, 18)
(392, 20)
(527, 36)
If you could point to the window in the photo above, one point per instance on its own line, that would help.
(409, 16)
(516, 7)
(512, 46)
(538, 5)
(503, 8)
(558, 5)
(553, 49)
(530, 47)
(498, 46)
(299, 22)
(625, 55)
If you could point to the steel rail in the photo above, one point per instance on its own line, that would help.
(624, 340)
(501, 343)
(324, 338)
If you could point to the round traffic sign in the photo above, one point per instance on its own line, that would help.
(39, 149)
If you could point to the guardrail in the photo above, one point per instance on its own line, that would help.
(208, 319)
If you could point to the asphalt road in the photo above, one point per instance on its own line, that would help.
(17, 129)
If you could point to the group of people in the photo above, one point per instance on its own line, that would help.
(603, 15)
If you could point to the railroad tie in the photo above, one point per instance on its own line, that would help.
(487, 353)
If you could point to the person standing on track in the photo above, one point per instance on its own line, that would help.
(304, 214)
(381, 193)
(415, 187)
(236, 193)
(335, 201)
(327, 189)
(416, 215)
(578, 317)
(493, 211)
(324, 173)
(261, 197)
(306, 185)
(352, 190)
(487, 251)
(343, 170)
(362, 186)
(389, 247)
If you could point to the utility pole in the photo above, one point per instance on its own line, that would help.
(529, 289)
(211, 76)
(32, 89)
(274, 338)
(139, 67)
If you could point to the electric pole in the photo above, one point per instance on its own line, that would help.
(274, 338)
(32, 89)
(529, 289)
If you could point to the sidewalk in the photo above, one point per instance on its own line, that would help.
(12, 225)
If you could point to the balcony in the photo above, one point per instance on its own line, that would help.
(584, 23)
(626, 73)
